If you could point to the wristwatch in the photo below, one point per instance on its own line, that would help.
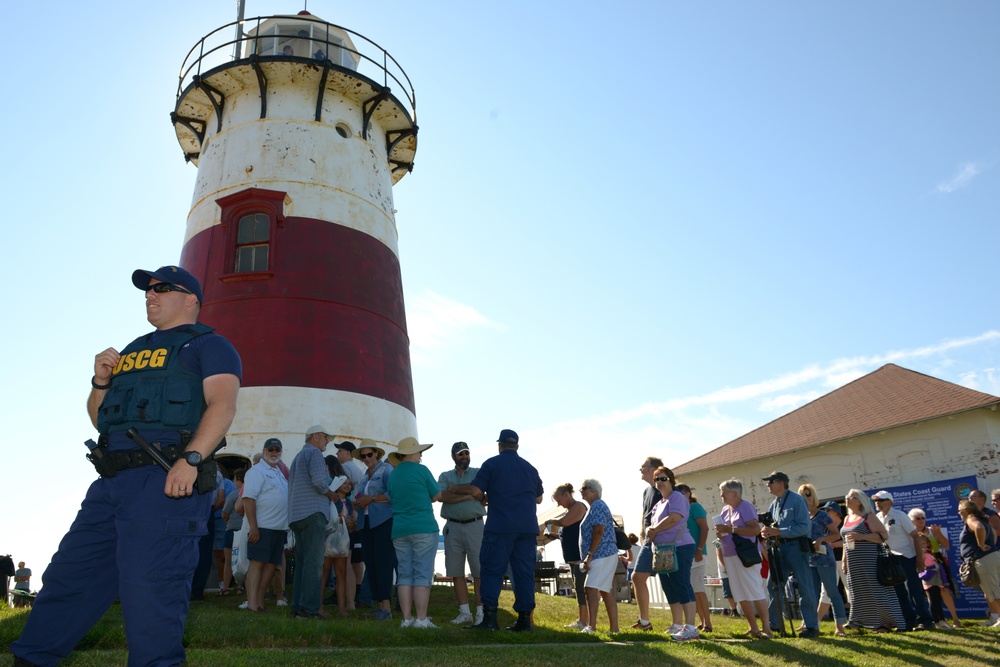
(193, 458)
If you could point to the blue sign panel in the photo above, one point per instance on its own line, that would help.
(939, 501)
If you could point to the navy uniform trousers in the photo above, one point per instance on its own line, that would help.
(499, 549)
(132, 542)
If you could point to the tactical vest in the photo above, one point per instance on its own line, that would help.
(150, 389)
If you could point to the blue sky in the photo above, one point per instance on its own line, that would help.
(632, 229)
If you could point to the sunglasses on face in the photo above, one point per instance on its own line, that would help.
(163, 288)
(366, 455)
(273, 449)
(661, 479)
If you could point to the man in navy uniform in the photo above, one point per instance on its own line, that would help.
(136, 535)
(514, 489)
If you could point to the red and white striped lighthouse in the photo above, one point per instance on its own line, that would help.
(299, 129)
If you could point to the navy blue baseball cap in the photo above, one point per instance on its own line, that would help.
(459, 447)
(174, 275)
(507, 437)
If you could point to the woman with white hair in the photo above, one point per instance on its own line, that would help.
(597, 540)
(739, 517)
(873, 605)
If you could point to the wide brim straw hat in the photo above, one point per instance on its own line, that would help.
(406, 447)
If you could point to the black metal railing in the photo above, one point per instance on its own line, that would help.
(232, 43)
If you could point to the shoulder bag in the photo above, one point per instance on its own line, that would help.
(746, 550)
(888, 570)
(664, 558)
(968, 573)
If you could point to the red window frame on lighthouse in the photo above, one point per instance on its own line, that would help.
(252, 201)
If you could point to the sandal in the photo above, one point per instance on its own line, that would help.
(840, 633)
(223, 592)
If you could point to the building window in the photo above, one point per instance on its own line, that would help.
(253, 234)
(252, 221)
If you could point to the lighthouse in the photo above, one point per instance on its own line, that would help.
(299, 129)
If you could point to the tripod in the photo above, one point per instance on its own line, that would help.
(777, 582)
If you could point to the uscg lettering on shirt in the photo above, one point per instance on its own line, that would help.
(141, 360)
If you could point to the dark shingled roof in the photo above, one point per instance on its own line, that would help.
(889, 397)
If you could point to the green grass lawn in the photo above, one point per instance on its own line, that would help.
(220, 634)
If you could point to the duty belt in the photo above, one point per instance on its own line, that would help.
(137, 458)
(478, 518)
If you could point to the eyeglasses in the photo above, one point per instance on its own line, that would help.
(367, 455)
(662, 479)
(162, 288)
(996, 500)
(807, 494)
(920, 518)
(273, 449)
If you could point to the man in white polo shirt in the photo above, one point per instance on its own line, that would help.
(904, 541)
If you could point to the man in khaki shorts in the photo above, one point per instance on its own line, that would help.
(463, 533)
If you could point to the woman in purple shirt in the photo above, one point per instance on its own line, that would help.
(739, 517)
(669, 526)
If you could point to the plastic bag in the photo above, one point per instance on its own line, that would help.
(240, 561)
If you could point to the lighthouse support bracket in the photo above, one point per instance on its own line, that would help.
(261, 84)
(217, 99)
(196, 125)
(369, 107)
(322, 92)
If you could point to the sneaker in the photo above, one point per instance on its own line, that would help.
(244, 604)
(943, 625)
(587, 630)
(463, 617)
(576, 625)
(282, 602)
(383, 615)
(639, 625)
(685, 635)
(996, 625)
(479, 616)
(425, 624)
(407, 623)
(990, 621)
(674, 629)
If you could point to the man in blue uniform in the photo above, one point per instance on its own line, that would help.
(136, 535)
(514, 489)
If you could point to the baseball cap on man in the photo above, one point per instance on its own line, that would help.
(272, 442)
(346, 445)
(174, 275)
(883, 495)
(507, 437)
(459, 447)
(777, 474)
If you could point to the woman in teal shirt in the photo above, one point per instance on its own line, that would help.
(413, 490)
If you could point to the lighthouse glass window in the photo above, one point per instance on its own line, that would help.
(252, 242)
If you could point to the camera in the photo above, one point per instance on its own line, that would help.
(766, 519)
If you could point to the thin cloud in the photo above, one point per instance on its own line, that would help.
(831, 375)
(434, 320)
(966, 173)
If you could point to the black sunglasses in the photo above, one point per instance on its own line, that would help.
(661, 479)
(366, 456)
(162, 288)
(273, 449)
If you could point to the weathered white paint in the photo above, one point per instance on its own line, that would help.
(286, 412)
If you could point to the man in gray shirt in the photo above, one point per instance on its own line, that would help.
(309, 497)
(463, 532)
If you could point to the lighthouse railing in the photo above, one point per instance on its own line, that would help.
(219, 49)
